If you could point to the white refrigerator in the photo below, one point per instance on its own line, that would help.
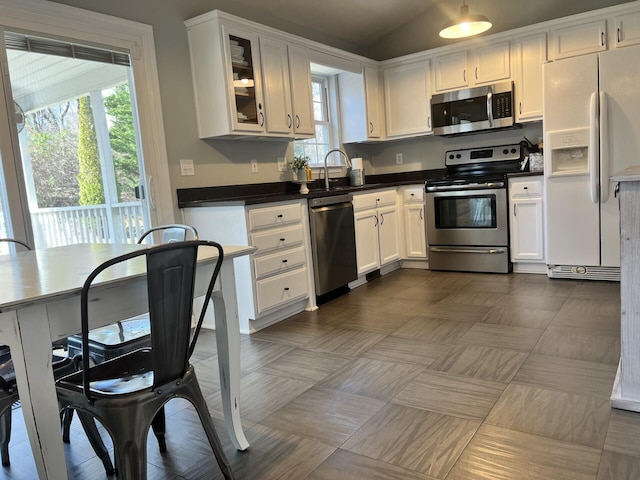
(591, 131)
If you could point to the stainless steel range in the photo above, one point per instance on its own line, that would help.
(467, 210)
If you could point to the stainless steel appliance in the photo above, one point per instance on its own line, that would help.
(333, 242)
(473, 109)
(467, 210)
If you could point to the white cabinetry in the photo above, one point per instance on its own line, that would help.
(406, 95)
(479, 66)
(377, 229)
(286, 81)
(580, 39)
(247, 83)
(626, 29)
(527, 55)
(361, 105)
(526, 219)
(414, 222)
(275, 282)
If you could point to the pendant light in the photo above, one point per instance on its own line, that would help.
(466, 26)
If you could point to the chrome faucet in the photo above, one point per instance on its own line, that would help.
(326, 172)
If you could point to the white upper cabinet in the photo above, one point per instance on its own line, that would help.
(286, 80)
(450, 71)
(361, 106)
(474, 67)
(246, 83)
(626, 29)
(302, 97)
(580, 39)
(490, 63)
(406, 94)
(527, 55)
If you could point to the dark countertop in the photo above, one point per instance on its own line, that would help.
(257, 193)
(525, 174)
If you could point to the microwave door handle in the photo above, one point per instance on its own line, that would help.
(490, 105)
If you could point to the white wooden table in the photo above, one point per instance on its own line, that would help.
(40, 303)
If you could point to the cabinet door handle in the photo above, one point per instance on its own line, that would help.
(375, 220)
(476, 73)
(370, 127)
(261, 119)
(526, 188)
(282, 239)
(280, 215)
(429, 121)
(515, 210)
(286, 289)
(602, 38)
(381, 219)
(618, 36)
(464, 75)
(421, 214)
(285, 260)
(289, 121)
(520, 108)
(297, 121)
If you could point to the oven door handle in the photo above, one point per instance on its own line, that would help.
(491, 251)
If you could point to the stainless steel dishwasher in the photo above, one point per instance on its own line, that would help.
(333, 242)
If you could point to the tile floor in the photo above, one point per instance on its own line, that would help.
(416, 375)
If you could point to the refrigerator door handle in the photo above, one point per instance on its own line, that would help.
(593, 147)
(604, 148)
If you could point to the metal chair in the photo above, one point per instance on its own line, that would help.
(130, 334)
(127, 392)
(9, 395)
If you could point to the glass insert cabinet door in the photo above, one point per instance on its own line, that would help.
(243, 59)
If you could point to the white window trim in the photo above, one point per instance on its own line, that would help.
(62, 21)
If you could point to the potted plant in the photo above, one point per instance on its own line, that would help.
(299, 166)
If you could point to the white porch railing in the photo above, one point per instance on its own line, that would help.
(118, 223)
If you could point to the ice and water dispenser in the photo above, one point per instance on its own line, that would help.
(567, 152)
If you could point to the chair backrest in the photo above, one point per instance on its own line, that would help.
(15, 241)
(171, 274)
(170, 233)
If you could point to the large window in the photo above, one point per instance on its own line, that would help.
(316, 148)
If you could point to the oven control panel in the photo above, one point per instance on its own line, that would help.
(499, 153)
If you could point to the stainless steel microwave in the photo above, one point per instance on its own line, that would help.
(473, 109)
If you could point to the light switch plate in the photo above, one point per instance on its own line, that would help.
(254, 165)
(187, 168)
(398, 159)
(282, 164)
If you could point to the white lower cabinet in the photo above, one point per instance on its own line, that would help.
(415, 235)
(377, 229)
(526, 219)
(275, 282)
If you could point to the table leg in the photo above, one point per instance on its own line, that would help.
(228, 342)
(24, 331)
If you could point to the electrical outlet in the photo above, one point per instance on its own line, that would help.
(282, 164)
(187, 168)
(398, 159)
(254, 166)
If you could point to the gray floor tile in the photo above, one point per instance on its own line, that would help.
(433, 330)
(419, 440)
(624, 433)
(345, 342)
(501, 454)
(329, 416)
(344, 465)
(566, 375)
(305, 365)
(591, 306)
(563, 416)
(498, 365)
(372, 378)
(463, 397)
(604, 324)
(501, 336)
(519, 317)
(406, 350)
(579, 344)
(616, 466)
